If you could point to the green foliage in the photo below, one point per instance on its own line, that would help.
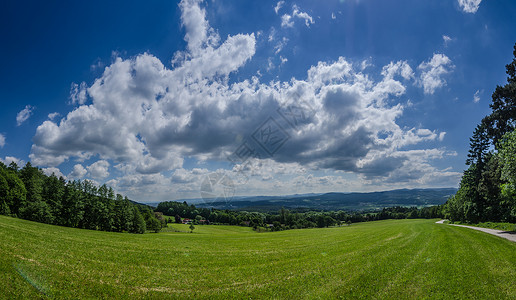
(154, 225)
(4, 191)
(487, 188)
(138, 222)
(15, 195)
(38, 211)
(123, 214)
(30, 194)
(507, 155)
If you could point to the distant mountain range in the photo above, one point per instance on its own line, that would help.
(330, 201)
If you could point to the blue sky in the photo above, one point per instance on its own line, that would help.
(152, 98)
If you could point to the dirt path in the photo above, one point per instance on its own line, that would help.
(511, 236)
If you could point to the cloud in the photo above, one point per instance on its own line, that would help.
(78, 93)
(433, 71)
(415, 169)
(98, 170)
(476, 96)
(272, 35)
(469, 6)
(279, 46)
(288, 20)
(278, 6)
(78, 172)
(2, 140)
(302, 15)
(53, 170)
(446, 40)
(193, 19)
(145, 117)
(399, 68)
(10, 159)
(54, 115)
(24, 115)
(270, 64)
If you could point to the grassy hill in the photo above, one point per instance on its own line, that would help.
(384, 259)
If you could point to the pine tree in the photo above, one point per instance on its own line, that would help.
(503, 116)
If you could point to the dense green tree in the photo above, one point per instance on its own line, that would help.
(38, 211)
(479, 146)
(153, 225)
(30, 194)
(14, 167)
(122, 214)
(53, 194)
(503, 115)
(138, 222)
(507, 154)
(72, 205)
(15, 197)
(4, 192)
(485, 192)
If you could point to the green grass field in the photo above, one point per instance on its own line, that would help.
(385, 259)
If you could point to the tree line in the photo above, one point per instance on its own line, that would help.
(487, 189)
(286, 219)
(29, 194)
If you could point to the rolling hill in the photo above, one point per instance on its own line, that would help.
(392, 259)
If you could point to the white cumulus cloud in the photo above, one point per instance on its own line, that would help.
(99, 169)
(78, 172)
(432, 72)
(286, 21)
(2, 140)
(53, 170)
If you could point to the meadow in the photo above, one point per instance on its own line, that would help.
(382, 259)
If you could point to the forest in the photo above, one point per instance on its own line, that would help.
(487, 189)
(285, 219)
(29, 194)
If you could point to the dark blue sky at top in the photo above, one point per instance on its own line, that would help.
(47, 45)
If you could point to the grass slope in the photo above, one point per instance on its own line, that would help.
(384, 259)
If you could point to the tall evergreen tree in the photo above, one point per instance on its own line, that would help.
(52, 194)
(503, 116)
(483, 194)
(138, 222)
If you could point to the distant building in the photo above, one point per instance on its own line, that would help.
(186, 221)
